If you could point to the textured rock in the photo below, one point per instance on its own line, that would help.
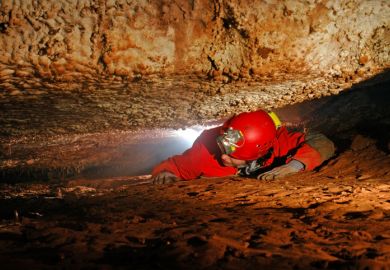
(176, 63)
(84, 82)
(332, 219)
(85, 66)
(65, 39)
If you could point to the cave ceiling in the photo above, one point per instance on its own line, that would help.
(90, 66)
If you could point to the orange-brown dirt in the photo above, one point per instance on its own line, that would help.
(337, 217)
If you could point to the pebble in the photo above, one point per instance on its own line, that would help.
(15, 92)
(376, 215)
(364, 177)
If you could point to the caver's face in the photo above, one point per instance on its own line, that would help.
(232, 162)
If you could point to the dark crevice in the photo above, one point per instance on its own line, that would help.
(212, 62)
(216, 10)
(230, 22)
(103, 52)
(3, 27)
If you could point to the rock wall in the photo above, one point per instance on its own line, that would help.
(226, 40)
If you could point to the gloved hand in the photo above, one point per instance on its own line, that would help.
(164, 177)
(292, 167)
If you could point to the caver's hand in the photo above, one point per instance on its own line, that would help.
(164, 177)
(292, 167)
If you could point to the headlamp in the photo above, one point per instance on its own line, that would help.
(228, 141)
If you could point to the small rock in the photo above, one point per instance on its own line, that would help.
(59, 193)
(17, 218)
(360, 142)
(363, 59)
(15, 93)
(137, 219)
(376, 215)
(30, 162)
(334, 91)
(335, 190)
(364, 176)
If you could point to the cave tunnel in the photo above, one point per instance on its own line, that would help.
(95, 94)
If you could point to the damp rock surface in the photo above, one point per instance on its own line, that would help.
(335, 218)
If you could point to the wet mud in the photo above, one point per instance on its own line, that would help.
(337, 217)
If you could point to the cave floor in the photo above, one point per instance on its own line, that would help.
(335, 218)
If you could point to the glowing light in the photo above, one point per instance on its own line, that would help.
(189, 134)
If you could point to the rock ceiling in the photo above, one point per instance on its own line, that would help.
(85, 66)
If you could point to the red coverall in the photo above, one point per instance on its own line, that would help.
(204, 157)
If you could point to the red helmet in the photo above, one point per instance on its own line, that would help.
(248, 135)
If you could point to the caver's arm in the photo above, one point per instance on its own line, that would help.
(202, 159)
(304, 152)
(316, 149)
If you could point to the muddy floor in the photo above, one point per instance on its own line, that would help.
(335, 218)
